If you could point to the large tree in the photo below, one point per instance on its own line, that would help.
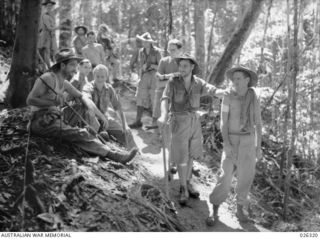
(236, 42)
(65, 24)
(9, 10)
(24, 57)
(199, 26)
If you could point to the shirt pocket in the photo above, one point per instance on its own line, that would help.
(179, 95)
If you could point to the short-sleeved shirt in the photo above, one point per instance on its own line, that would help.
(183, 100)
(78, 44)
(167, 65)
(104, 98)
(94, 53)
(153, 57)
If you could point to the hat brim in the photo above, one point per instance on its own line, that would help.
(83, 27)
(46, 3)
(253, 76)
(196, 68)
(145, 40)
(54, 66)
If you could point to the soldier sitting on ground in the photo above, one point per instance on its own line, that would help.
(46, 99)
(104, 96)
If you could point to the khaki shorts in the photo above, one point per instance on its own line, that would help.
(146, 89)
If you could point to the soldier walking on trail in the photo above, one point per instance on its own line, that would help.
(80, 40)
(241, 132)
(167, 69)
(47, 43)
(149, 58)
(47, 97)
(181, 100)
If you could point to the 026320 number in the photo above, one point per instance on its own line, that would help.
(309, 235)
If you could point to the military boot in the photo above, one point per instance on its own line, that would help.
(192, 191)
(241, 215)
(183, 196)
(122, 157)
(211, 220)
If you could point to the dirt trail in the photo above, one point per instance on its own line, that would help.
(193, 216)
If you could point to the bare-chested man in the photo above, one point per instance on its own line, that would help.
(241, 132)
(46, 99)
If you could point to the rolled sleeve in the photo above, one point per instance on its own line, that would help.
(257, 112)
(207, 89)
(161, 67)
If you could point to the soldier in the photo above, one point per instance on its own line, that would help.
(80, 40)
(181, 98)
(241, 132)
(94, 52)
(47, 97)
(104, 37)
(149, 58)
(104, 96)
(168, 68)
(47, 42)
(78, 81)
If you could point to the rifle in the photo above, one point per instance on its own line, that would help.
(74, 111)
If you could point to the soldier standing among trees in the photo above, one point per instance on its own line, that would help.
(167, 68)
(80, 40)
(182, 94)
(149, 58)
(94, 52)
(47, 42)
(241, 132)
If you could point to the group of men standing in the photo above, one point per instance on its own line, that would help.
(98, 48)
(168, 86)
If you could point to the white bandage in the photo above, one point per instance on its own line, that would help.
(225, 108)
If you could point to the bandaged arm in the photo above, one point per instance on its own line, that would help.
(258, 122)
(224, 126)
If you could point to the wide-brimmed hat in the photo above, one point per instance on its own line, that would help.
(253, 76)
(146, 37)
(188, 56)
(65, 55)
(46, 2)
(85, 29)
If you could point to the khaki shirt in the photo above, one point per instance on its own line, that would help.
(94, 53)
(182, 100)
(166, 66)
(104, 98)
(153, 57)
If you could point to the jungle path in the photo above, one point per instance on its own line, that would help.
(192, 216)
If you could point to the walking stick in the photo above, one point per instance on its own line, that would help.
(165, 164)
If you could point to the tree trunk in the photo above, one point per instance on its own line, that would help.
(86, 11)
(235, 44)
(65, 24)
(291, 150)
(261, 65)
(199, 29)
(168, 31)
(24, 57)
(210, 41)
(9, 10)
